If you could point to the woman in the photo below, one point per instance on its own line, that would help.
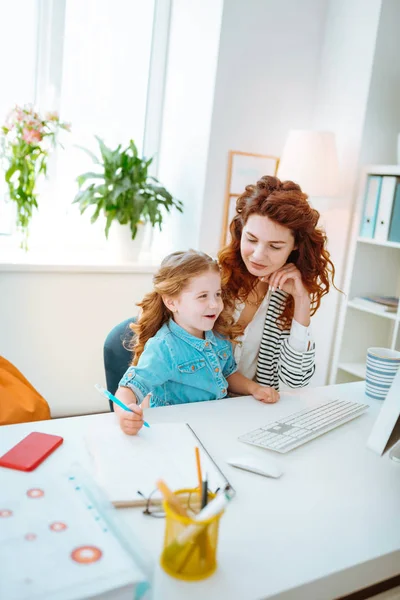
(277, 248)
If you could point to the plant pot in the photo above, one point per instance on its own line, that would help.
(123, 247)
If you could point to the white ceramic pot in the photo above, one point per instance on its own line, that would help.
(123, 247)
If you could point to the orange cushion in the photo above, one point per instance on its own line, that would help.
(19, 401)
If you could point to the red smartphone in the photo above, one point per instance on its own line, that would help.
(30, 451)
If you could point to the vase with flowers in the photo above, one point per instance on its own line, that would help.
(26, 142)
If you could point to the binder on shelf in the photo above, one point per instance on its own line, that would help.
(374, 305)
(394, 229)
(383, 219)
(371, 202)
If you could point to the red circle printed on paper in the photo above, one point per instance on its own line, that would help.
(86, 554)
(58, 526)
(35, 493)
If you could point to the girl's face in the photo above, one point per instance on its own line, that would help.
(199, 305)
(265, 245)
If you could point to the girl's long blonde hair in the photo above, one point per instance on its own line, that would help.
(174, 275)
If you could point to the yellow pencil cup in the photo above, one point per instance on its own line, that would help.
(190, 546)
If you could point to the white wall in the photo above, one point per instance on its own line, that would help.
(266, 81)
(340, 106)
(382, 121)
(293, 65)
(53, 325)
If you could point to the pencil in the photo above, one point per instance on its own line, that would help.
(171, 498)
(199, 475)
(137, 503)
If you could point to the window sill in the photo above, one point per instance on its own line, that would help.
(31, 262)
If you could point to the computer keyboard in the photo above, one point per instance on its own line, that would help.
(298, 428)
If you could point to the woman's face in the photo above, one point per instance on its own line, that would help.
(265, 245)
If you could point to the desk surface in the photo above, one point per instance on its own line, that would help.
(329, 526)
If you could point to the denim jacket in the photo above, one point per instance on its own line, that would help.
(177, 367)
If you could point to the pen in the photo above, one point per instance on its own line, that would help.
(115, 400)
(204, 492)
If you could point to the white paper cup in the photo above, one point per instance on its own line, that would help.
(382, 366)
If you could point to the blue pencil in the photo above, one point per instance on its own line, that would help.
(108, 395)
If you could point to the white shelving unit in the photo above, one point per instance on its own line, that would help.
(373, 269)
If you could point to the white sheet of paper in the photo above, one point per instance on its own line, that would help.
(124, 464)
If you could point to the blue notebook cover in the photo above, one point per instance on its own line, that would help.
(394, 229)
(371, 204)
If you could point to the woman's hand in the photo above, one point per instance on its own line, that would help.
(266, 394)
(288, 279)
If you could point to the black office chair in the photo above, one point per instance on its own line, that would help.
(116, 356)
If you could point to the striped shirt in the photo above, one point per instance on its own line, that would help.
(267, 356)
(277, 360)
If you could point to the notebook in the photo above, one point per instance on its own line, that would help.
(60, 540)
(124, 465)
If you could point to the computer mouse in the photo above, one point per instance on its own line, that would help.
(257, 464)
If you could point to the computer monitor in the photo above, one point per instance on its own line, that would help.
(386, 430)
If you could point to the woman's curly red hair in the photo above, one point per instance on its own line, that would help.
(283, 202)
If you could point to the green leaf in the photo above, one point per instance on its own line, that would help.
(10, 172)
(95, 215)
(124, 190)
(106, 153)
(110, 218)
(89, 153)
(81, 179)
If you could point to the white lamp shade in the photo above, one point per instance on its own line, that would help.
(310, 159)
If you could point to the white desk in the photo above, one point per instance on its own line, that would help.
(329, 526)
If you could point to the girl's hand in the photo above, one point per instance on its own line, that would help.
(131, 422)
(266, 394)
(288, 279)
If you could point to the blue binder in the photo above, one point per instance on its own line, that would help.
(371, 203)
(394, 229)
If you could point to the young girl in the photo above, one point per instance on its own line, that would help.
(183, 350)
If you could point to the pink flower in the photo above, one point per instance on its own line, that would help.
(52, 116)
(19, 114)
(33, 124)
(31, 136)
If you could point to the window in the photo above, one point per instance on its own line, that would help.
(92, 65)
(17, 69)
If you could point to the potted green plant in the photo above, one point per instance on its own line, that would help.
(26, 142)
(122, 189)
